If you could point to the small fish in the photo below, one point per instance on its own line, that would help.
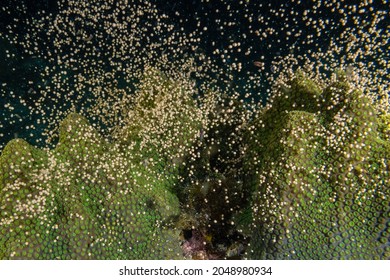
(258, 64)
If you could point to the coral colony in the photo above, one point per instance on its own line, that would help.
(195, 129)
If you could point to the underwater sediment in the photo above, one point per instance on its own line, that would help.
(151, 147)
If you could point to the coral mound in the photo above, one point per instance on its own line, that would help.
(322, 189)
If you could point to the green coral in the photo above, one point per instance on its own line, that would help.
(86, 199)
(322, 189)
(305, 177)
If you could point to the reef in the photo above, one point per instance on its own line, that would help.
(184, 176)
(87, 198)
(322, 189)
